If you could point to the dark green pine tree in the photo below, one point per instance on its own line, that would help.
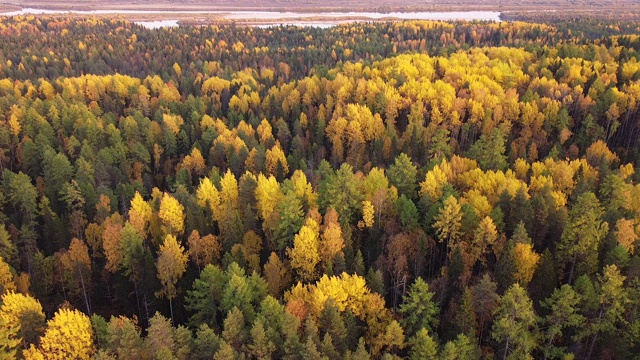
(206, 342)
(465, 318)
(204, 298)
(563, 307)
(419, 309)
(331, 323)
(403, 175)
(506, 267)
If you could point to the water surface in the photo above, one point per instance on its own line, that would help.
(317, 19)
(158, 24)
(453, 15)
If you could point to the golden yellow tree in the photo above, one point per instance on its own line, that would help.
(303, 189)
(140, 214)
(208, 196)
(435, 180)
(6, 278)
(21, 319)
(368, 213)
(172, 263)
(305, 253)
(276, 162)
(526, 261)
(69, 335)
(265, 133)
(448, 222)
(268, 193)
(229, 192)
(484, 237)
(348, 292)
(172, 214)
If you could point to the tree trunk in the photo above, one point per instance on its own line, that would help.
(595, 336)
(171, 307)
(593, 343)
(146, 307)
(84, 290)
(481, 332)
(549, 346)
(506, 349)
(573, 266)
(135, 289)
(64, 292)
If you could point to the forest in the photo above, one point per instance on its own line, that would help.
(421, 190)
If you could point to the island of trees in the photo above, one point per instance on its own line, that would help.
(419, 190)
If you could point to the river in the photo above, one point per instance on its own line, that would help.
(319, 19)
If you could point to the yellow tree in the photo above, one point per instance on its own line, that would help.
(21, 320)
(303, 189)
(268, 193)
(229, 192)
(435, 180)
(448, 222)
(484, 237)
(526, 261)
(626, 234)
(265, 134)
(194, 162)
(276, 162)
(332, 241)
(368, 213)
(69, 335)
(305, 253)
(6, 278)
(112, 242)
(229, 210)
(349, 292)
(208, 196)
(172, 214)
(172, 263)
(140, 214)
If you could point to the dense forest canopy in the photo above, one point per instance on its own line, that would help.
(371, 191)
